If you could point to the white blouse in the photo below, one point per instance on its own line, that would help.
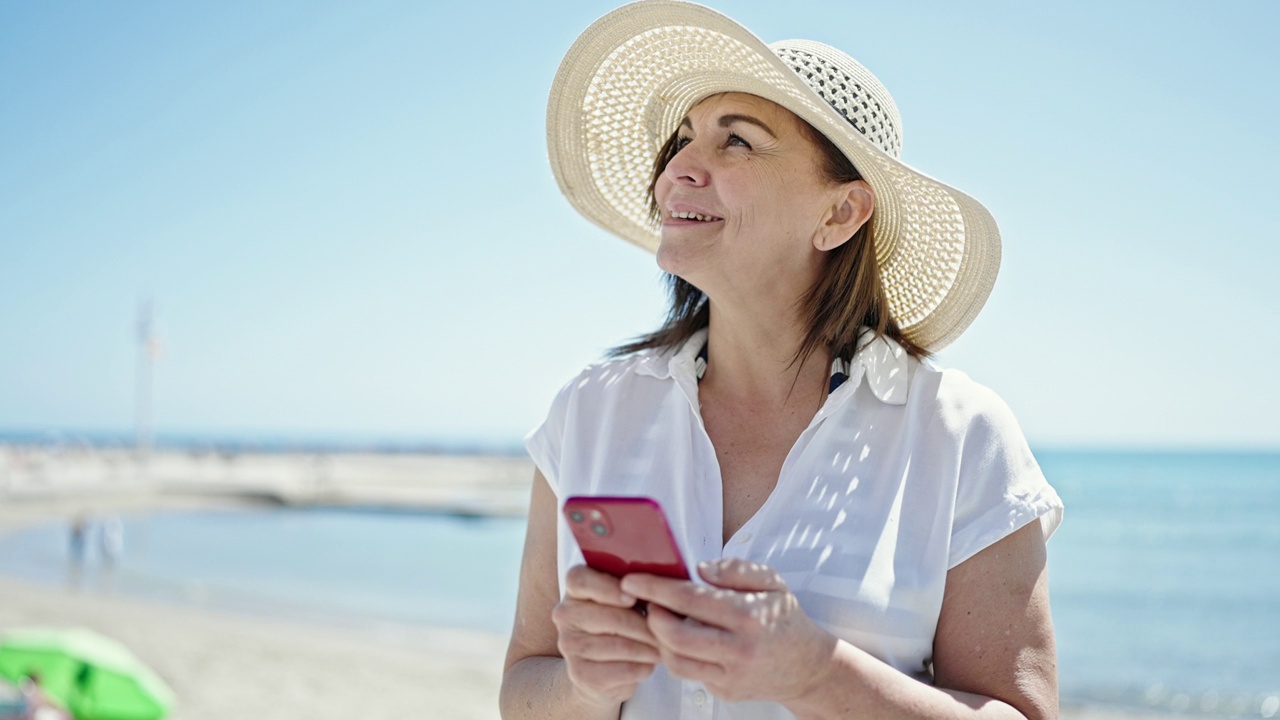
(906, 471)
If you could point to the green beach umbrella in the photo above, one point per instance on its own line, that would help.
(93, 676)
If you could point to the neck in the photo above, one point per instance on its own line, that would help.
(752, 355)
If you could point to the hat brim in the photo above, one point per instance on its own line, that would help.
(629, 80)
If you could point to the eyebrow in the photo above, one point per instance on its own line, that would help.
(727, 120)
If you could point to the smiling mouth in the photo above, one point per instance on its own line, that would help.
(693, 216)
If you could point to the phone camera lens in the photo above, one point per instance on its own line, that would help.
(575, 516)
(600, 529)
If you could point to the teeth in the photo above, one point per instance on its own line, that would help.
(692, 216)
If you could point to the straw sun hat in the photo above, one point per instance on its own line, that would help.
(630, 79)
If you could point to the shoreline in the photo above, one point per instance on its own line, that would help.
(224, 663)
(227, 664)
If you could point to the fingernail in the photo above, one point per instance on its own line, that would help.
(708, 568)
(626, 599)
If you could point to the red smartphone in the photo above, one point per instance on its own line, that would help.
(621, 535)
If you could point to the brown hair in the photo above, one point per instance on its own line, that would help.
(847, 296)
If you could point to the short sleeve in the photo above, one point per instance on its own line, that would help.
(545, 443)
(1000, 487)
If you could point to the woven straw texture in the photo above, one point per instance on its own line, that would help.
(630, 79)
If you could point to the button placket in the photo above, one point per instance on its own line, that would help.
(695, 701)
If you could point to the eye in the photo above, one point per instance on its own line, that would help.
(736, 139)
(681, 142)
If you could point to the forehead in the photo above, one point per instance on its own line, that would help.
(714, 106)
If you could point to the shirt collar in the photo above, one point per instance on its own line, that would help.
(881, 362)
(673, 362)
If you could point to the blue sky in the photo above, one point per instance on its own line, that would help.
(345, 218)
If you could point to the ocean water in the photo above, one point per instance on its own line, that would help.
(1165, 580)
(1165, 575)
(327, 564)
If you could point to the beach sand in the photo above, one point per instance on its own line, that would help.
(228, 666)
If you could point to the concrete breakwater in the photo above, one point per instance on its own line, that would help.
(34, 476)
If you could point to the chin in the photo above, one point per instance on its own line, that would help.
(674, 260)
(682, 259)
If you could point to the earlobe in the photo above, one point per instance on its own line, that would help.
(851, 211)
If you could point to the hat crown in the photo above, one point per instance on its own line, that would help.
(849, 88)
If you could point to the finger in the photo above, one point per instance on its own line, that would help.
(606, 677)
(707, 604)
(742, 575)
(585, 583)
(687, 668)
(692, 668)
(605, 648)
(687, 637)
(596, 619)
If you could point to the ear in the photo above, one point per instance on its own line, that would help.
(850, 210)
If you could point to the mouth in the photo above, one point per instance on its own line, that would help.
(692, 216)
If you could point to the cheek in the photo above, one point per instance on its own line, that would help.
(767, 197)
(661, 189)
(769, 184)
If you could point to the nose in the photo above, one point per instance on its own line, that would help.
(688, 167)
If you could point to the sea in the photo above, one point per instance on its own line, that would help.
(1164, 577)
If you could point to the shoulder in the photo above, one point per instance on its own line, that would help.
(614, 378)
(956, 402)
(603, 374)
(596, 392)
(643, 367)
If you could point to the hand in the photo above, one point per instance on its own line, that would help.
(746, 638)
(606, 645)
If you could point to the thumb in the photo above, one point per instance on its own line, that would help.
(739, 574)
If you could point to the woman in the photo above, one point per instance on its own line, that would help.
(869, 531)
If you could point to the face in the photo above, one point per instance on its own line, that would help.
(744, 203)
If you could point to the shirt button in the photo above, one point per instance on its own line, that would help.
(745, 537)
(700, 698)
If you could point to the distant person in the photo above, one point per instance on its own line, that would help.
(866, 530)
(78, 542)
(111, 540)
